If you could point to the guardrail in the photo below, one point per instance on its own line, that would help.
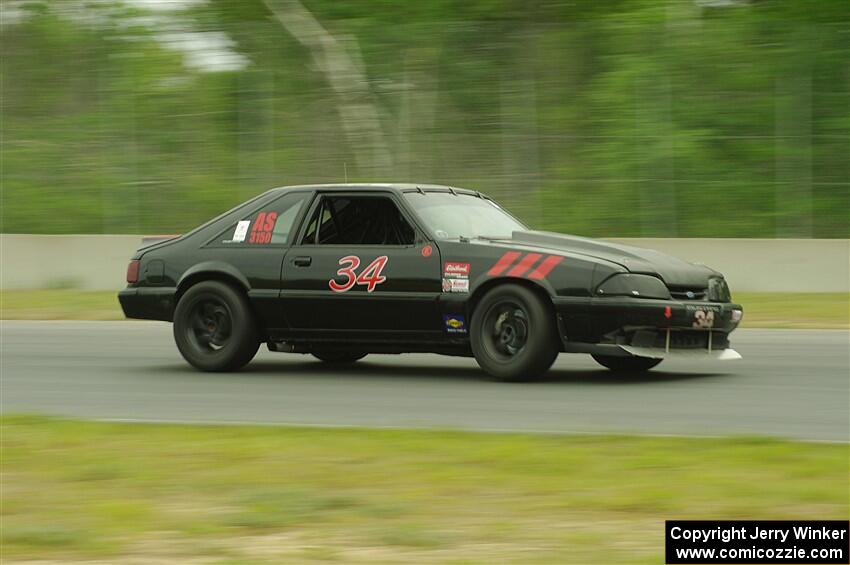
(99, 262)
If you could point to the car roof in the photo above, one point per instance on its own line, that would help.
(395, 187)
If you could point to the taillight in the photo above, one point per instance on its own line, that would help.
(133, 271)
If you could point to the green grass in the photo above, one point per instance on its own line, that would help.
(795, 310)
(59, 304)
(166, 493)
(761, 310)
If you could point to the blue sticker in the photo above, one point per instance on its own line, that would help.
(455, 323)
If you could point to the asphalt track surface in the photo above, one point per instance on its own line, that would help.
(793, 384)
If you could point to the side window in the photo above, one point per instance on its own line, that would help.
(285, 223)
(358, 220)
(273, 223)
(321, 217)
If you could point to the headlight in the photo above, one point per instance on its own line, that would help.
(718, 290)
(642, 286)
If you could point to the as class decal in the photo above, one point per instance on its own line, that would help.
(261, 232)
(263, 227)
(370, 276)
(515, 264)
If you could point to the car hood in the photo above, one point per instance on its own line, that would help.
(673, 271)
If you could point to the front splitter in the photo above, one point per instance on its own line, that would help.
(658, 353)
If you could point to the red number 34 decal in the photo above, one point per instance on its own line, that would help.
(370, 276)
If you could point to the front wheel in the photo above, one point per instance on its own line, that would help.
(214, 327)
(513, 334)
(626, 364)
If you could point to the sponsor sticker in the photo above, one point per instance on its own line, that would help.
(704, 307)
(455, 277)
(455, 285)
(455, 323)
(241, 231)
(455, 270)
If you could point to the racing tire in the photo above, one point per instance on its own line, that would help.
(626, 364)
(214, 327)
(338, 357)
(513, 334)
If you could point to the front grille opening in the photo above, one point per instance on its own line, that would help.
(689, 293)
(717, 291)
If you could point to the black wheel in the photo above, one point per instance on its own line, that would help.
(513, 334)
(626, 364)
(214, 327)
(338, 357)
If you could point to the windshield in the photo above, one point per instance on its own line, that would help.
(450, 216)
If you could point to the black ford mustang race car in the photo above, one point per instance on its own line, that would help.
(340, 271)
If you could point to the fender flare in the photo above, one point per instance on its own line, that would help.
(215, 270)
(484, 286)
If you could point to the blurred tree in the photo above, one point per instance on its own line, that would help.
(342, 68)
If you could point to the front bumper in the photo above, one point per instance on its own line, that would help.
(647, 327)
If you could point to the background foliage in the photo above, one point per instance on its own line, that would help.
(621, 118)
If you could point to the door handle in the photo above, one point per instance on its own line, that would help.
(302, 261)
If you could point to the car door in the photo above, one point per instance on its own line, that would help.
(361, 269)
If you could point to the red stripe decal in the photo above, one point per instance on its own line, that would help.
(545, 267)
(524, 264)
(503, 263)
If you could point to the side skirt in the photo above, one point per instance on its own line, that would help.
(456, 350)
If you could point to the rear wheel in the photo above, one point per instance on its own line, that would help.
(626, 364)
(338, 357)
(513, 334)
(214, 327)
